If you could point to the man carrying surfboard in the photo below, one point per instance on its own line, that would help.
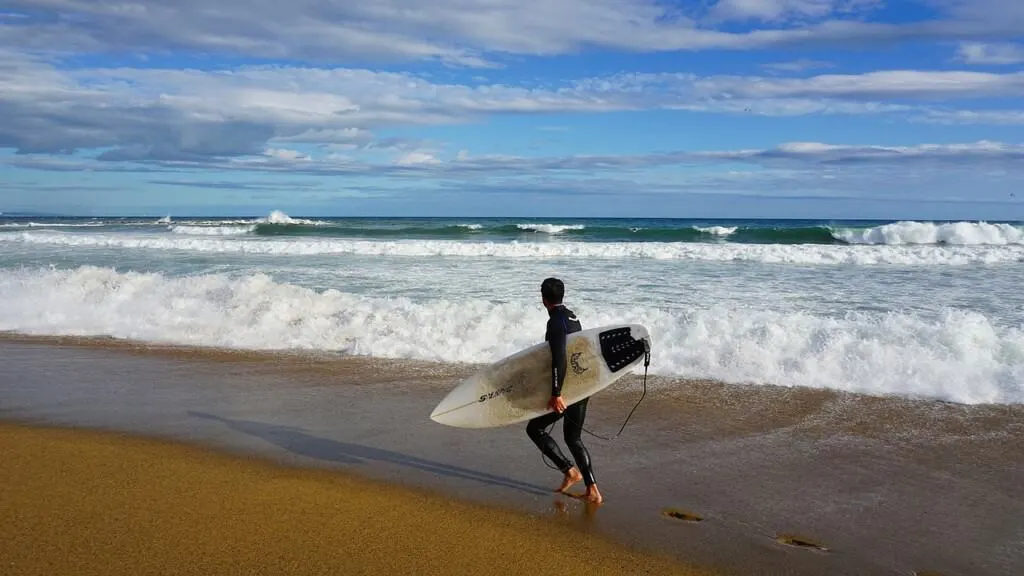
(562, 322)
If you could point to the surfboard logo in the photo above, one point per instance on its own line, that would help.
(574, 361)
(499, 392)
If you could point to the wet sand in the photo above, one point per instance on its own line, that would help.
(887, 486)
(91, 503)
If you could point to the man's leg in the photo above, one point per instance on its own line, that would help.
(537, 431)
(575, 414)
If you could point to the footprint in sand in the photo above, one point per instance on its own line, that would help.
(800, 542)
(681, 515)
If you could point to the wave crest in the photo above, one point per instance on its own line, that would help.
(956, 233)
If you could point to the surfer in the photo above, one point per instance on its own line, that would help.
(562, 322)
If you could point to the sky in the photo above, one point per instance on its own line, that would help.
(560, 108)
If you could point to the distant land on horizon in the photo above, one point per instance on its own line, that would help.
(17, 214)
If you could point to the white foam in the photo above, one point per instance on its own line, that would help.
(767, 253)
(959, 357)
(236, 227)
(717, 230)
(279, 217)
(222, 222)
(471, 226)
(550, 228)
(211, 230)
(275, 217)
(908, 232)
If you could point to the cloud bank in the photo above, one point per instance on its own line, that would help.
(468, 33)
(134, 114)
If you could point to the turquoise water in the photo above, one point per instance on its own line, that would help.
(584, 230)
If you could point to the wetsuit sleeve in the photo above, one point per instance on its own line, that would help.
(556, 341)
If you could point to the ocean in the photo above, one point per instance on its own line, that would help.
(918, 309)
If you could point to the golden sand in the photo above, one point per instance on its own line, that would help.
(98, 503)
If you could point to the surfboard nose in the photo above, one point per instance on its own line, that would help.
(458, 398)
(437, 413)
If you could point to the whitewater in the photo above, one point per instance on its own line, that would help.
(920, 309)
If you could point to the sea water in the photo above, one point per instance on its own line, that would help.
(922, 309)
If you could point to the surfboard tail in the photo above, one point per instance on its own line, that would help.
(621, 347)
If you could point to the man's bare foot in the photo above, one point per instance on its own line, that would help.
(593, 495)
(571, 477)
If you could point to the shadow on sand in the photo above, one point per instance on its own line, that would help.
(299, 442)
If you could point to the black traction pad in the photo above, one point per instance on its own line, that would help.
(620, 349)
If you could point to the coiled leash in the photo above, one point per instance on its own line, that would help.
(647, 362)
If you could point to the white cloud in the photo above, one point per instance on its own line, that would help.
(474, 33)
(874, 85)
(193, 115)
(800, 154)
(787, 155)
(414, 158)
(994, 54)
(830, 153)
(799, 65)
(978, 172)
(336, 136)
(998, 117)
(285, 154)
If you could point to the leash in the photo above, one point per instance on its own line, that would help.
(647, 362)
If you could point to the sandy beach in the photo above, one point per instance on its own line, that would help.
(883, 485)
(82, 502)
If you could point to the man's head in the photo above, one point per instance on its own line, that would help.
(552, 290)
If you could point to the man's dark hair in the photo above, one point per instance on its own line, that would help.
(552, 290)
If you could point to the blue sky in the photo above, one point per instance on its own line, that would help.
(727, 108)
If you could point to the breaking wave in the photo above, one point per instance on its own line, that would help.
(959, 356)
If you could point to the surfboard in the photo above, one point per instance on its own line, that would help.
(518, 387)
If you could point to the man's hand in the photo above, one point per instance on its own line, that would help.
(557, 404)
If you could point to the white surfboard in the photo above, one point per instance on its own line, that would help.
(518, 387)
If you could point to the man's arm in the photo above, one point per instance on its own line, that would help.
(556, 341)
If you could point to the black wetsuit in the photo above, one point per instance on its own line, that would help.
(561, 323)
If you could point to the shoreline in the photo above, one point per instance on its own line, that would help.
(388, 368)
(873, 478)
